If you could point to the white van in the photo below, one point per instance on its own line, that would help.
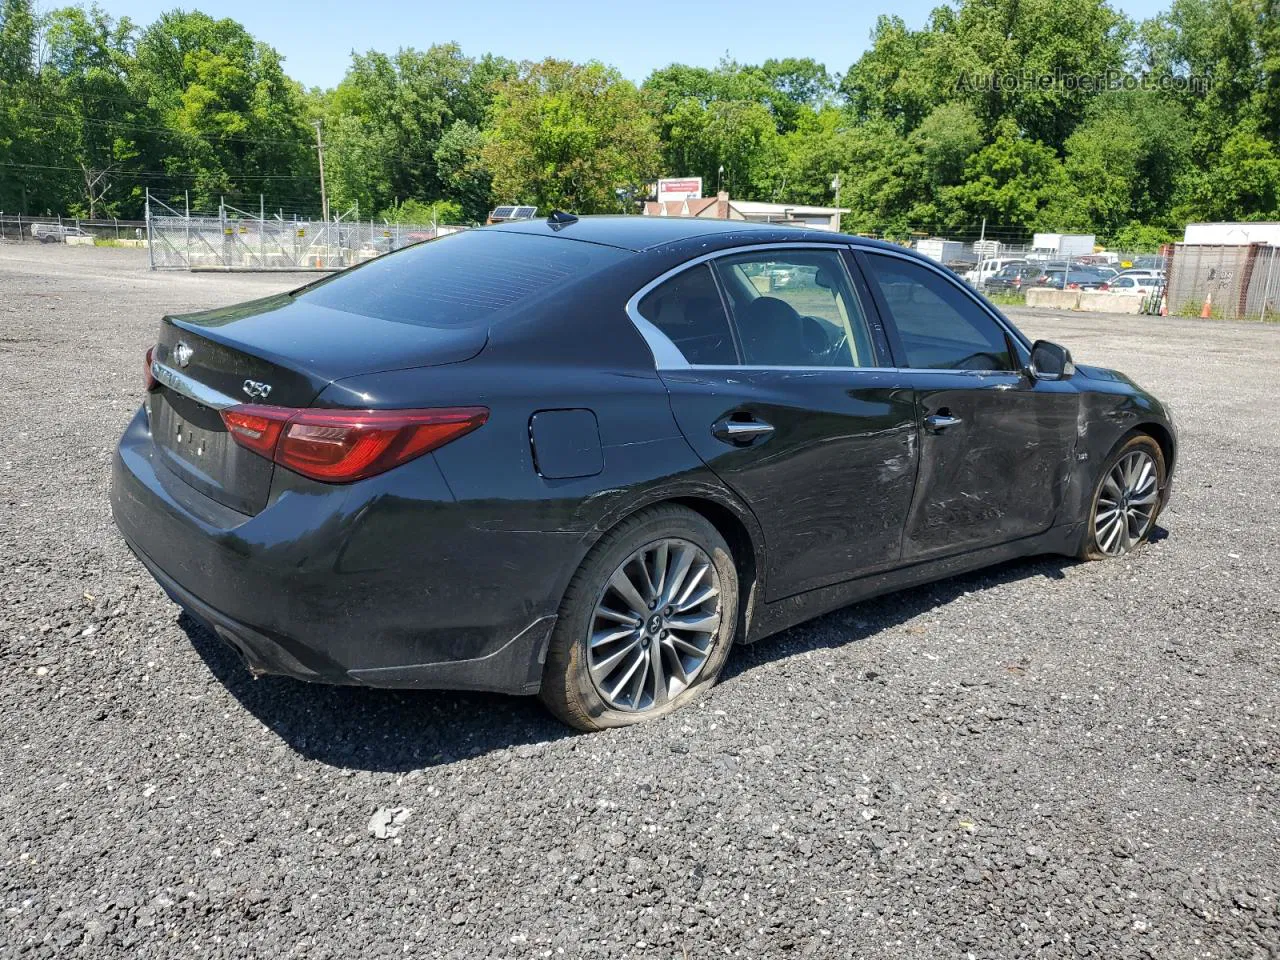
(986, 269)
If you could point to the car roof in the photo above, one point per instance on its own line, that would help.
(638, 233)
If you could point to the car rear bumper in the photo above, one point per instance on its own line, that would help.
(346, 585)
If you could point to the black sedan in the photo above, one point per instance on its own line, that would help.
(583, 457)
(1013, 277)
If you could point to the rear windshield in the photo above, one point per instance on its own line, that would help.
(462, 279)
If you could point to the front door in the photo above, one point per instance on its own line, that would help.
(996, 446)
(782, 401)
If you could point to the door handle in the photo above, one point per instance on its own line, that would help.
(741, 432)
(940, 421)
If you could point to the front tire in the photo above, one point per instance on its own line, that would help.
(1126, 499)
(646, 624)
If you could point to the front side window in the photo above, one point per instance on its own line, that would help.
(688, 310)
(795, 308)
(940, 327)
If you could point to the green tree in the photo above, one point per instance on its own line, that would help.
(1242, 184)
(568, 136)
(1009, 182)
(238, 122)
(1124, 163)
(22, 180)
(391, 113)
(460, 166)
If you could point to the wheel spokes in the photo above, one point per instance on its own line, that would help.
(609, 635)
(704, 623)
(654, 626)
(1126, 503)
(601, 669)
(622, 585)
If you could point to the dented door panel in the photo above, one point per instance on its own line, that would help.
(831, 483)
(1001, 472)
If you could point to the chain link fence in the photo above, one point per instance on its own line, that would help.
(1228, 281)
(234, 239)
(21, 228)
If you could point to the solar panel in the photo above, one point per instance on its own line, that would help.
(524, 213)
(502, 213)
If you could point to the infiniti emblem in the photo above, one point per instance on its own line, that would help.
(182, 354)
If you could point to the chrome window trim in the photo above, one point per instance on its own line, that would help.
(191, 388)
(667, 356)
(758, 368)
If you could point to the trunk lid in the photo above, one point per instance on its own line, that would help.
(280, 351)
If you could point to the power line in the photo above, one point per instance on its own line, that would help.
(150, 174)
(171, 131)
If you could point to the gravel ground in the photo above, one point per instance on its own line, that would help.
(1047, 759)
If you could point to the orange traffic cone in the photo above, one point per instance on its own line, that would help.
(1207, 310)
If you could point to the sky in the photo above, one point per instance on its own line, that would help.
(316, 38)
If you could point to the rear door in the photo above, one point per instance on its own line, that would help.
(788, 404)
(996, 446)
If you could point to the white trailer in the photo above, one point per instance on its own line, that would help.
(1062, 246)
(943, 251)
(1230, 234)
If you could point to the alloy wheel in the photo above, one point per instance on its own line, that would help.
(1126, 503)
(654, 625)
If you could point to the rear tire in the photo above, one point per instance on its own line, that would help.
(646, 624)
(1126, 499)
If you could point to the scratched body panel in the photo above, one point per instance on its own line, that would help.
(833, 483)
(999, 474)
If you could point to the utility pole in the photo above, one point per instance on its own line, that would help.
(835, 188)
(324, 197)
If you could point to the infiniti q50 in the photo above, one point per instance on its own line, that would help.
(581, 457)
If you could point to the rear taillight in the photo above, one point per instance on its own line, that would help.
(339, 446)
(256, 427)
(1104, 286)
(147, 378)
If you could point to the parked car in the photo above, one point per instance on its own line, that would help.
(1126, 283)
(1149, 262)
(1143, 274)
(55, 232)
(582, 458)
(1012, 278)
(987, 269)
(1071, 278)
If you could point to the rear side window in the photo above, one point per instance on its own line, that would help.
(941, 328)
(462, 279)
(795, 308)
(688, 310)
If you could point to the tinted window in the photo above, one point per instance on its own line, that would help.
(466, 278)
(941, 328)
(687, 308)
(795, 308)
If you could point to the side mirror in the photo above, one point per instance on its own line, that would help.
(1050, 361)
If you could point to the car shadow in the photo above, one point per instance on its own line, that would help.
(364, 728)
(400, 730)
